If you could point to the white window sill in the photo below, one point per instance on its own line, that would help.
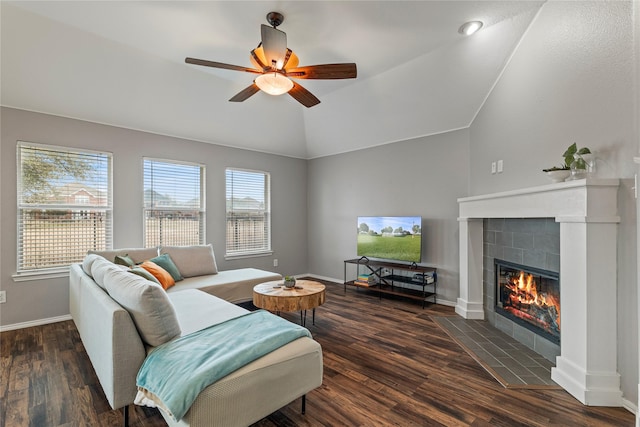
(53, 273)
(251, 255)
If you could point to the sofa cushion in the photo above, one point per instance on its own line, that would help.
(136, 254)
(100, 267)
(88, 261)
(147, 303)
(230, 285)
(162, 275)
(167, 263)
(197, 260)
(197, 310)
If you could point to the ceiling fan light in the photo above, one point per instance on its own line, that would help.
(274, 83)
(470, 27)
(293, 61)
(260, 54)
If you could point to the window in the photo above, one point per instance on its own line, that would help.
(174, 213)
(248, 212)
(64, 205)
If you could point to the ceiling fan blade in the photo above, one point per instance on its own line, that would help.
(274, 43)
(221, 65)
(245, 93)
(303, 96)
(324, 71)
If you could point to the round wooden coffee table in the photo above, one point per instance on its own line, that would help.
(273, 296)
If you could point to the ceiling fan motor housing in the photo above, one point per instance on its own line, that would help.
(275, 18)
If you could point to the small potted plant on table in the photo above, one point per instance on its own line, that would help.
(289, 282)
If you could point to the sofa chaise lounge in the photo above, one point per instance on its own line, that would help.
(121, 317)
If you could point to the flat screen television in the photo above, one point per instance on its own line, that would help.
(396, 238)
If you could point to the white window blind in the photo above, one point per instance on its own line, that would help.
(174, 205)
(64, 205)
(248, 212)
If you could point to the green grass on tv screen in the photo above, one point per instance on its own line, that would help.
(405, 248)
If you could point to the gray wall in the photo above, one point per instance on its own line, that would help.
(570, 80)
(423, 177)
(43, 299)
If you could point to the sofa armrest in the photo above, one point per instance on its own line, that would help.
(109, 336)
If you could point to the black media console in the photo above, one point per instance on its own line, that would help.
(393, 278)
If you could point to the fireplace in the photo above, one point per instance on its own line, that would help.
(587, 212)
(530, 297)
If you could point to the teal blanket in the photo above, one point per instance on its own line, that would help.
(176, 372)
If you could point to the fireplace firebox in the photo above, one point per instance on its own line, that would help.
(529, 297)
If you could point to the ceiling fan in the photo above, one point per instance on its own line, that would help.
(276, 64)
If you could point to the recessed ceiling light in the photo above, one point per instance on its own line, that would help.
(470, 27)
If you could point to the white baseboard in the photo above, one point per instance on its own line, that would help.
(328, 279)
(445, 302)
(31, 323)
(630, 406)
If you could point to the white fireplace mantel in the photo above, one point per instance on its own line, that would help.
(587, 212)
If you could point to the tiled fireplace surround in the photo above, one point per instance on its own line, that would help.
(532, 242)
(586, 212)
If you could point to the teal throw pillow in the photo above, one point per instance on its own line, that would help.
(124, 260)
(167, 263)
(144, 273)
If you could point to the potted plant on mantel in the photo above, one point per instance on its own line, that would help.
(575, 164)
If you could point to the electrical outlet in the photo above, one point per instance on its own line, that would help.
(275, 262)
(3, 297)
(493, 167)
(500, 166)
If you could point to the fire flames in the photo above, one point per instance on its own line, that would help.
(525, 301)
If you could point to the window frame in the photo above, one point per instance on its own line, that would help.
(267, 248)
(202, 209)
(54, 271)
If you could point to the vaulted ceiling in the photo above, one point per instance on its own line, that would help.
(122, 64)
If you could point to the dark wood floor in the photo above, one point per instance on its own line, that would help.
(385, 363)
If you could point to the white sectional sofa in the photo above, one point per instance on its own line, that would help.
(121, 317)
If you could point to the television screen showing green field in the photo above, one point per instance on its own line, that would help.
(396, 238)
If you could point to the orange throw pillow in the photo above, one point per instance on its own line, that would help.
(159, 273)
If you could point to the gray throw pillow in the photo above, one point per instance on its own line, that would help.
(87, 263)
(99, 269)
(124, 260)
(143, 273)
(147, 303)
